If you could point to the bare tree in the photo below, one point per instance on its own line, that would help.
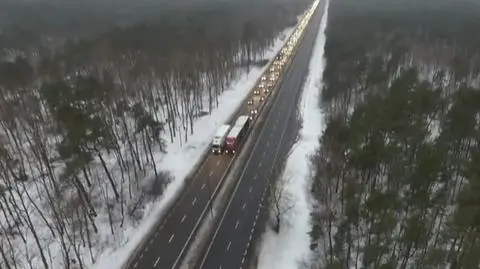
(280, 200)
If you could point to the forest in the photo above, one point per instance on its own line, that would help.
(87, 105)
(397, 175)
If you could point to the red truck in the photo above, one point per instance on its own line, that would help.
(237, 134)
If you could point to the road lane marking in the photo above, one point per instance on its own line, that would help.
(255, 177)
(211, 174)
(236, 225)
(244, 204)
(203, 186)
(250, 189)
(268, 142)
(194, 201)
(218, 163)
(156, 262)
(183, 218)
(263, 154)
(229, 244)
(135, 265)
(260, 164)
(171, 238)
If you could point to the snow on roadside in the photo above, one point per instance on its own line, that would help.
(291, 247)
(180, 159)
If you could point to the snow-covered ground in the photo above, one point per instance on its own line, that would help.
(180, 159)
(289, 248)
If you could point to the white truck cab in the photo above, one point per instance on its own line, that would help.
(218, 142)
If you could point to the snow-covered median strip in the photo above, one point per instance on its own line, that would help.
(180, 160)
(290, 247)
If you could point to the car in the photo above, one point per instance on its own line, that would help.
(253, 113)
(250, 102)
(262, 99)
(263, 78)
(270, 84)
(256, 91)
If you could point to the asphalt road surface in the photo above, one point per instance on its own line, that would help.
(235, 231)
(169, 241)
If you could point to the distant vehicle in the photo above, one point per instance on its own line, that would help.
(219, 140)
(237, 134)
(255, 100)
(253, 113)
(256, 91)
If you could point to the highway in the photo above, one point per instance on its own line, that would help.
(233, 238)
(168, 241)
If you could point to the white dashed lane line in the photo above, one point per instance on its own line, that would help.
(203, 186)
(244, 205)
(210, 174)
(194, 201)
(171, 238)
(156, 262)
(229, 244)
(183, 218)
(236, 225)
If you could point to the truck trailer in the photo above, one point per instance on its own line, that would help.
(237, 134)
(219, 140)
